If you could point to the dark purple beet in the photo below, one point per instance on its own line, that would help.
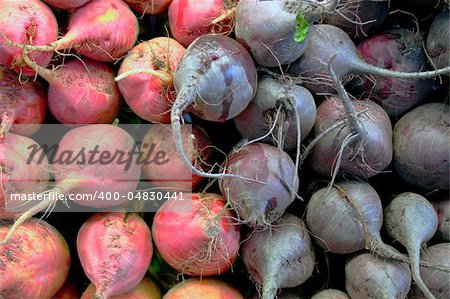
(438, 40)
(358, 17)
(259, 203)
(421, 146)
(401, 50)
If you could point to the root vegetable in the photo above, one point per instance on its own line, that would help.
(197, 235)
(76, 172)
(190, 19)
(173, 175)
(279, 103)
(23, 106)
(146, 289)
(339, 150)
(421, 151)
(370, 276)
(203, 289)
(435, 280)
(279, 258)
(19, 174)
(103, 30)
(217, 79)
(261, 201)
(397, 49)
(30, 22)
(115, 251)
(35, 263)
(438, 40)
(443, 211)
(81, 92)
(411, 220)
(330, 45)
(354, 218)
(358, 17)
(145, 78)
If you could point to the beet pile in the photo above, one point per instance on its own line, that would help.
(228, 149)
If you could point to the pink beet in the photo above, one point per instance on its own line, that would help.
(115, 251)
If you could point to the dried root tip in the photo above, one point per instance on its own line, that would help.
(163, 77)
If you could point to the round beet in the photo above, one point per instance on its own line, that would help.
(146, 289)
(30, 22)
(443, 211)
(339, 151)
(421, 151)
(23, 106)
(145, 78)
(281, 104)
(35, 263)
(368, 276)
(197, 235)
(270, 188)
(115, 251)
(330, 294)
(397, 49)
(279, 258)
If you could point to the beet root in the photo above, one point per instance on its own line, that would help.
(260, 201)
(35, 263)
(279, 258)
(115, 251)
(330, 294)
(146, 289)
(421, 148)
(443, 212)
(197, 235)
(341, 151)
(411, 220)
(369, 276)
(438, 40)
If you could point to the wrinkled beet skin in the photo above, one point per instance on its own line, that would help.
(216, 66)
(421, 151)
(376, 154)
(259, 204)
(36, 255)
(27, 100)
(20, 22)
(203, 289)
(115, 251)
(400, 50)
(75, 98)
(149, 97)
(187, 232)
